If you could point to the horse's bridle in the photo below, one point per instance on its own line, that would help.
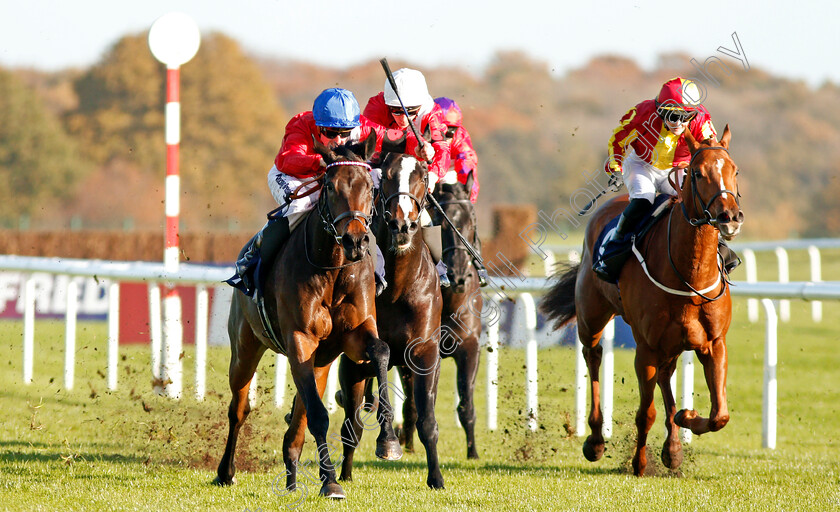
(706, 216)
(457, 247)
(325, 214)
(418, 202)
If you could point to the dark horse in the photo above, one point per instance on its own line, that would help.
(462, 303)
(320, 301)
(682, 304)
(408, 311)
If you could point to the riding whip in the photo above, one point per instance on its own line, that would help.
(421, 141)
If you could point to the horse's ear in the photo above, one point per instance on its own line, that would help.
(369, 146)
(470, 180)
(693, 145)
(724, 139)
(323, 150)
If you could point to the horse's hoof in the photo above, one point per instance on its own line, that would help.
(389, 450)
(435, 482)
(672, 460)
(224, 483)
(332, 491)
(592, 451)
(339, 398)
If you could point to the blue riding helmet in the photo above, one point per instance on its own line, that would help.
(336, 108)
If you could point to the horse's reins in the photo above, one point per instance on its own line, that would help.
(706, 219)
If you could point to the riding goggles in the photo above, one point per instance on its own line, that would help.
(332, 133)
(397, 111)
(675, 116)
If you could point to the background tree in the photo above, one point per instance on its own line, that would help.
(39, 164)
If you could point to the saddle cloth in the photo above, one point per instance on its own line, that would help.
(614, 255)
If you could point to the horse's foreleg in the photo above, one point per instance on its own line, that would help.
(409, 426)
(293, 446)
(715, 365)
(353, 388)
(466, 359)
(245, 355)
(672, 454)
(310, 383)
(425, 396)
(646, 373)
(387, 443)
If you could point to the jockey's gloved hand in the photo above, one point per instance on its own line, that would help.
(433, 179)
(615, 182)
(425, 152)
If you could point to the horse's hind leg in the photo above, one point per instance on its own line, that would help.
(246, 352)
(646, 374)
(672, 453)
(466, 359)
(589, 333)
(715, 368)
(409, 426)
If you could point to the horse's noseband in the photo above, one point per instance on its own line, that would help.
(418, 202)
(706, 216)
(327, 218)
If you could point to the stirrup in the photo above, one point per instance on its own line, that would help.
(482, 277)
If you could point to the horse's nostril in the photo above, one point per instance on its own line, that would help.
(413, 225)
(740, 216)
(393, 226)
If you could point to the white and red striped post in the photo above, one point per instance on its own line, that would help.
(174, 40)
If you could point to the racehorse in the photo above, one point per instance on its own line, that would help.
(677, 300)
(408, 311)
(461, 317)
(319, 298)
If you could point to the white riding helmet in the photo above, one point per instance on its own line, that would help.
(412, 86)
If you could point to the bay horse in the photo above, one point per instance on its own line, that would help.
(319, 298)
(461, 315)
(408, 311)
(678, 300)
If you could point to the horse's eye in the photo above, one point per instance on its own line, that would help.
(330, 187)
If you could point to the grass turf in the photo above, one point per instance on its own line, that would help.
(129, 449)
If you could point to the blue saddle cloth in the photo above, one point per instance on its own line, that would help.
(617, 252)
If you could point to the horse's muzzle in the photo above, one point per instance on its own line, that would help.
(401, 232)
(729, 224)
(355, 246)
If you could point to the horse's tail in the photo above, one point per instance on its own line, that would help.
(558, 304)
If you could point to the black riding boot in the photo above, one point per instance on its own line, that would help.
(730, 259)
(431, 235)
(263, 246)
(630, 217)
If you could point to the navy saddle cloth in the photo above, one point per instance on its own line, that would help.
(618, 252)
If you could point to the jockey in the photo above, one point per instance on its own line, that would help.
(463, 158)
(645, 147)
(334, 120)
(462, 154)
(385, 109)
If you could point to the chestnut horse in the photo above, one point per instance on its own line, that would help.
(461, 317)
(319, 298)
(678, 300)
(408, 311)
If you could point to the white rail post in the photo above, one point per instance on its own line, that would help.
(202, 310)
(816, 277)
(532, 383)
(768, 419)
(113, 332)
(70, 332)
(155, 334)
(752, 277)
(608, 343)
(28, 327)
(687, 389)
(549, 262)
(281, 365)
(492, 374)
(784, 277)
(580, 390)
(252, 391)
(397, 401)
(332, 385)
